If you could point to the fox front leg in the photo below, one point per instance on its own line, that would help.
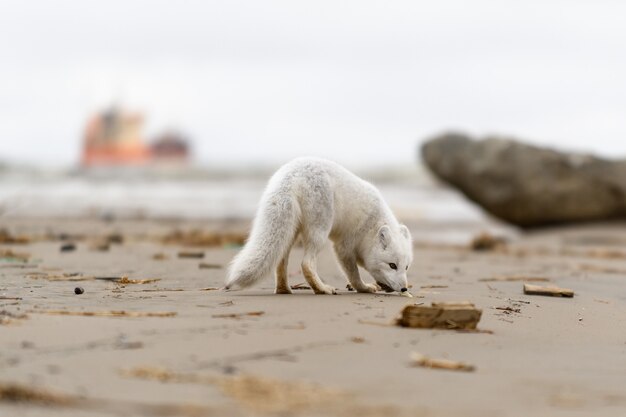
(350, 268)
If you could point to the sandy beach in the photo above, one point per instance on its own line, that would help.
(167, 342)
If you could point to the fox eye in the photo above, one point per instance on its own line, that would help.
(393, 266)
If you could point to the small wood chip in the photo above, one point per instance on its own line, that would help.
(530, 289)
(417, 359)
(457, 315)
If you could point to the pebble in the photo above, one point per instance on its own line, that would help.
(78, 290)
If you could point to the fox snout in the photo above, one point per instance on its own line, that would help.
(392, 285)
(385, 287)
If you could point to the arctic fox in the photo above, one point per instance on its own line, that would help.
(318, 199)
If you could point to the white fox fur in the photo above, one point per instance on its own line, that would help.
(317, 200)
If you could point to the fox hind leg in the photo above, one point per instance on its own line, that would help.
(282, 284)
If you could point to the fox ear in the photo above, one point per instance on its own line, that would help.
(383, 236)
(405, 232)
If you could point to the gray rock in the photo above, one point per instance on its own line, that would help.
(528, 185)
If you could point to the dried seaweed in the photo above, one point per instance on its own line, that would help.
(9, 255)
(205, 238)
(8, 317)
(61, 277)
(8, 238)
(258, 394)
(16, 393)
(126, 280)
(602, 269)
(108, 313)
(238, 315)
(193, 255)
(515, 278)
(205, 265)
(487, 242)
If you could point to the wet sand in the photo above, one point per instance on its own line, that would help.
(214, 353)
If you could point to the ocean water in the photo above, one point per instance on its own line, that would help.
(419, 203)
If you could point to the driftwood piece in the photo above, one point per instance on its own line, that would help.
(417, 359)
(459, 315)
(530, 289)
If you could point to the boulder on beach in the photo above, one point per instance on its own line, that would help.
(529, 185)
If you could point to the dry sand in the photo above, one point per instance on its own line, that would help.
(178, 347)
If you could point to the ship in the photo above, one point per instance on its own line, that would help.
(114, 138)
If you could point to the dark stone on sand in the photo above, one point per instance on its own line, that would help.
(68, 247)
(78, 290)
(528, 185)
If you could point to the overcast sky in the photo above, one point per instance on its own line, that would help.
(357, 81)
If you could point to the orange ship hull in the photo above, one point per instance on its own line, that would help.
(116, 156)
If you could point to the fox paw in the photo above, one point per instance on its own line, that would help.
(369, 288)
(282, 290)
(326, 289)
